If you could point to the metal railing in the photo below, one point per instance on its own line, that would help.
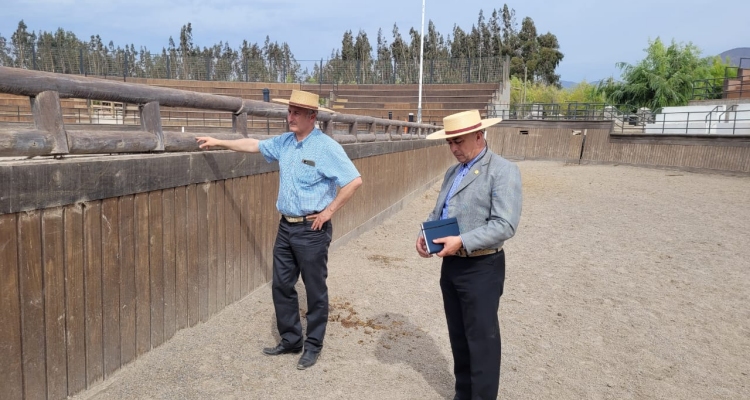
(623, 118)
(721, 88)
(735, 120)
(732, 86)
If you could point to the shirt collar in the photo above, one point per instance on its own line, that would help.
(315, 131)
(475, 159)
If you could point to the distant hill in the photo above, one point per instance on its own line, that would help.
(568, 84)
(736, 54)
(571, 84)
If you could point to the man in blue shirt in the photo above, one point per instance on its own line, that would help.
(483, 193)
(311, 167)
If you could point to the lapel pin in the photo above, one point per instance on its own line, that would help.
(476, 172)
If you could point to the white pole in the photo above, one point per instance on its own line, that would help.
(421, 58)
(524, 84)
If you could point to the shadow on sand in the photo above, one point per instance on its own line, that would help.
(402, 342)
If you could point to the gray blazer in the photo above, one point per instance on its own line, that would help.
(487, 203)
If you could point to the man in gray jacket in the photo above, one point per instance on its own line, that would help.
(483, 192)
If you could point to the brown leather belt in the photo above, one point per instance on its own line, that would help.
(293, 220)
(296, 220)
(476, 253)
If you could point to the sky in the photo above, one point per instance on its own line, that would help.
(594, 35)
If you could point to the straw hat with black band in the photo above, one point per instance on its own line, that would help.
(461, 124)
(302, 99)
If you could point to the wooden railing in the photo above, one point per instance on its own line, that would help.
(50, 136)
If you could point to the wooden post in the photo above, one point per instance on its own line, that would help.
(48, 118)
(355, 131)
(239, 123)
(151, 122)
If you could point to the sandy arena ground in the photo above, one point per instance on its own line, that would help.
(622, 283)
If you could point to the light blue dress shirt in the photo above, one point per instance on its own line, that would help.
(309, 171)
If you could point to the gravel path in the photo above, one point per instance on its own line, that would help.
(621, 283)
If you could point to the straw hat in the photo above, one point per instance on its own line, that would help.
(304, 100)
(462, 123)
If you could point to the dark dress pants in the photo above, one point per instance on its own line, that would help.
(471, 288)
(301, 250)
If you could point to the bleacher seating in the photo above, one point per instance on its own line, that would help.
(438, 101)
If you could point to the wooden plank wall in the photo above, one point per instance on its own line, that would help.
(710, 154)
(89, 287)
(387, 179)
(597, 145)
(539, 143)
(86, 288)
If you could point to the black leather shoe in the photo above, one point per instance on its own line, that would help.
(308, 359)
(280, 349)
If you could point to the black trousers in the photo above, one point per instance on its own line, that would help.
(301, 250)
(471, 288)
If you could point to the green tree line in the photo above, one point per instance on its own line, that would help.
(458, 56)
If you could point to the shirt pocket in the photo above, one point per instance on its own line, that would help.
(309, 175)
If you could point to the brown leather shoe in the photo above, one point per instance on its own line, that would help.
(308, 359)
(280, 349)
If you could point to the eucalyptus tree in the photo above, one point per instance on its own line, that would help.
(226, 63)
(363, 55)
(401, 55)
(345, 63)
(187, 52)
(528, 47)
(172, 62)
(97, 57)
(434, 44)
(383, 65)
(23, 46)
(348, 52)
(509, 30)
(254, 67)
(150, 65)
(6, 60)
(495, 34)
(547, 59)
